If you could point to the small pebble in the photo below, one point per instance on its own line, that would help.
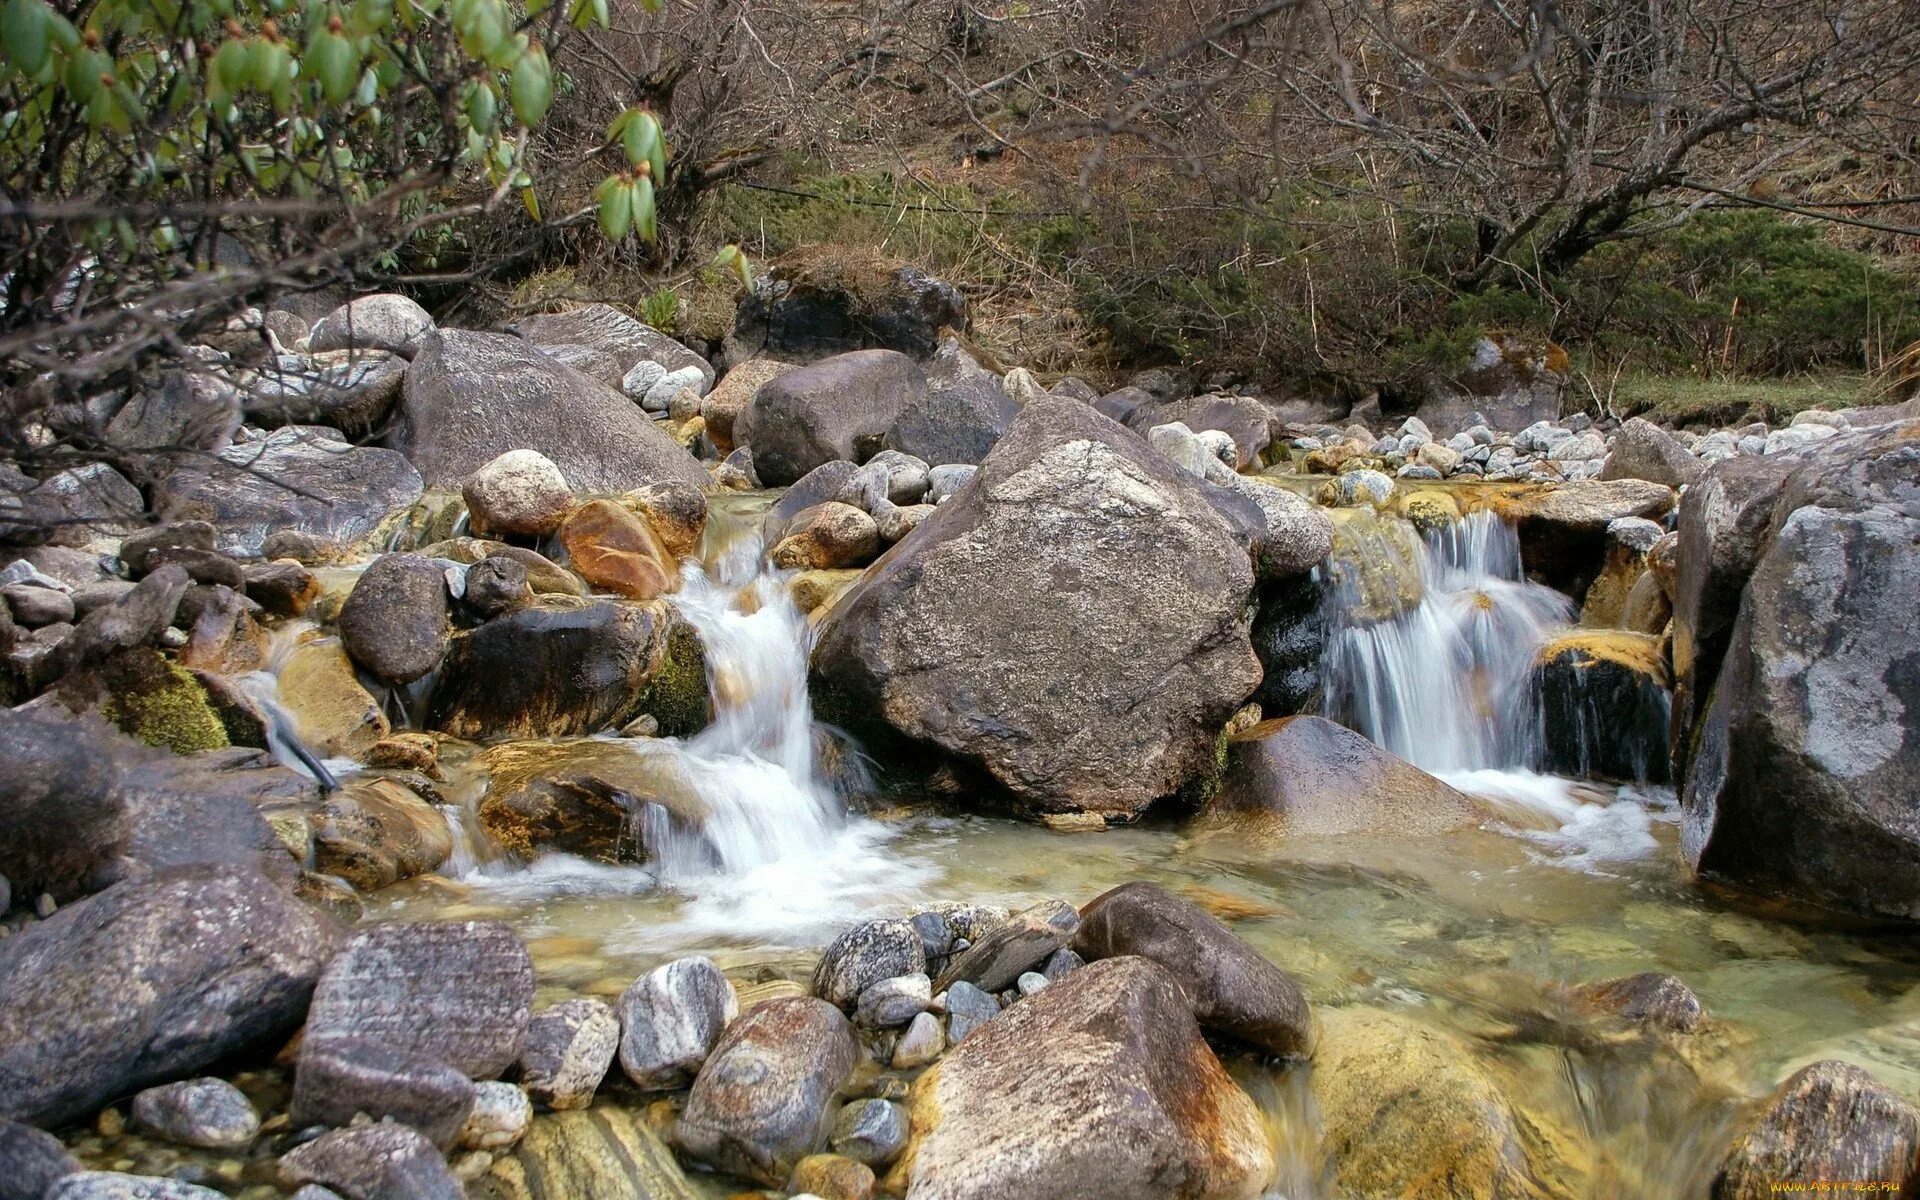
(921, 1043)
(44, 906)
(1031, 982)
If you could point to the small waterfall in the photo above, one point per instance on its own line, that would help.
(1448, 685)
(263, 688)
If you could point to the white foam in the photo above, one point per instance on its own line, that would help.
(1572, 824)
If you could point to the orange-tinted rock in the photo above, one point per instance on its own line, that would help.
(615, 551)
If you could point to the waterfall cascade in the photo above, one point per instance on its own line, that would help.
(1447, 686)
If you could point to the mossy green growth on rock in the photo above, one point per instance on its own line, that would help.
(159, 702)
(676, 692)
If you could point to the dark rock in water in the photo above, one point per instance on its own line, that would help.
(873, 1132)
(1605, 705)
(1289, 635)
(460, 991)
(1315, 778)
(1563, 528)
(497, 586)
(1640, 449)
(839, 408)
(1019, 944)
(1074, 623)
(206, 961)
(865, 955)
(383, 321)
(1100, 1085)
(1725, 522)
(373, 1162)
(153, 698)
(62, 813)
(958, 416)
(145, 549)
(375, 831)
(612, 332)
(1802, 779)
(30, 1162)
(338, 1077)
(567, 1052)
(763, 1100)
(605, 1154)
(1233, 990)
(670, 1019)
(1830, 1125)
(284, 589)
(565, 672)
(471, 397)
(299, 479)
(585, 798)
(209, 1113)
(1650, 998)
(808, 311)
(394, 622)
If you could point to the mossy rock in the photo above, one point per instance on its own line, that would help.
(156, 700)
(676, 693)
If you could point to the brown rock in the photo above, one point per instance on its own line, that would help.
(1314, 778)
(618, 552)
(828, 536)
(724, 404)
(1830, 1127)
(224, 638)
(832, 1177)
(677, 513)
(332, 714)
(374, 832)
(1650, 998)
(283, 588)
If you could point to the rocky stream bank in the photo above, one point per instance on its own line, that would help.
(564, 762)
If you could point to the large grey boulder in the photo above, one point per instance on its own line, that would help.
(838, 408)
(349, 390)
(607, 330)
(1246, 420)
(153, 979)
(460, 991)
(764, 1099)
(1807, 765)
(383, 321)
(1642, 450)
(301, 479)
(1099, 1085)
(1073, 623)
(191, 411)
(471, 397)
(1506, 384)
(1232, 989)
(958, 416)
(62, 813)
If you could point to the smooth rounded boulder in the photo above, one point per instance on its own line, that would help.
(764, 1099)
(520, 492)
(1231, 988)
(383, 321)
(1099, 1085)
(1074, 624)
(1312, 777)
(471, 397)
(394, 623)
(838, 408)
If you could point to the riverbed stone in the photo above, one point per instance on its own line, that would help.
(1642, 450)
(607, 330)
(1099, 1086)
(520, 492)
(1650, 998)
(1011, 948)
(207, 960)
(1306, 776)
(829, 536)
(211, 1114)
(670, 1019)
(115, 1185)
(676, 512)
(501, 1116)
(1231, 988)
(333, 714)
(967, 1008)
(461, 991)
(383, 1161)
(1074, 624)
(891, 1003)
(1563, 527)
(471, 397)
(567, 1051)
(865, 955)
(924, 1040)
(383, 321)
(762, 1101)
(871, 1131)
(1407, 1112)
(65, 817)
(835, 409)
(605, 1154)
(618, 552)
(958, 416)
(1829, 1126)
(497, 586)
(30, 1161)
(394, 622)
(339, 1077)
(832, 1177)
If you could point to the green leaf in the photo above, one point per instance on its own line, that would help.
(643, 214)
(530, 87)
(482, 105)
(639, 135)
(27, 32)
(334, 64)
(616, 208)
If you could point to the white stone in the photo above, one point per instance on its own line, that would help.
(500, 1117)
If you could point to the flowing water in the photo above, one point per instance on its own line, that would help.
(1469, 931)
